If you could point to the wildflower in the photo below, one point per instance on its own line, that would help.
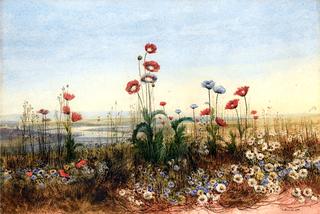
(293, 174)
(296, 192)
(251, 141)
(150, 48)
(171, 184)
(303, 173)
(259, 175)
(255, 117)
(181, 199)
(219, 89)
(122, 192)
(81, 164)
(208, 84)
(133, 87)
(68, 96)
(148, 195)
(29, 174)
(178, 111)
(162, 103)
(301, 199)
(307, 192)
(131, 198)
(33, 177)
(202, 199)
(138, 202)
(259, 188)
(62, 173)
(149, 78)
(273, 175)
(269, 167)
(314, 198)
(249, 155)
(176, 168)
(242, 91)
(254, 112)
(252, 182)
(220, 122)
(221, 188)
(260, 156)
(75, 117)
(141, 136)
(43, 111)
(232, 104)
(193, 106)
(151, 66)
(170, 117)
(264, 147)
(238, 178)
(139, 57)
(66, 109)
(234, 168)
(204, 112)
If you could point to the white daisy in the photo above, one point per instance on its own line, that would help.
(301, 199)
(148, 195)
(238, 178)
(296, 192)
(221, 188)
(260, 156)
(252, 182)
(303, 173)
(202, 199)
(293, 174)
(249, 155)
(307, 192)
(122, 192)
(314, 198)
(269, 167)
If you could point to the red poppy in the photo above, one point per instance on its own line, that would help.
(162, 103)
(204, 112)
(255, 117)
(242, 91)
(151, 66)
(232, 104)
(66, 109)
(76, 117)
(43, 111)
(254, 112)
(62, 173)
(29, 174)
(150, 48)
(170, 118)
(197, 120)
(81, 164)
(133, 87)
(68, 96)
(221, 122)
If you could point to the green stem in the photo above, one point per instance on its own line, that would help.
(217, 105)
(239, 127)
(246, 119)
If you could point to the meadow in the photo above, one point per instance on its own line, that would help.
(206, 159)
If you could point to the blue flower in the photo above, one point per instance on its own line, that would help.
(171, 184)
(208, 84)
(194, 192)
(194, 106)
(219, 89)
(261, 163)
(178, 111)
(33, 177)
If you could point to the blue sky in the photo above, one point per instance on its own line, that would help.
(93, 45)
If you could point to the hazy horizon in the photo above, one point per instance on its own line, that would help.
(272, 46)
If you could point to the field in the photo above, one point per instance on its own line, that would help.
(210, 160)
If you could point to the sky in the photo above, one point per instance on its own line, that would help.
(92, 45)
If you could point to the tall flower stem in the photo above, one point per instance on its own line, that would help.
(139, 67)
(246, 119)
(217, 105)
(194, 124)
(239, 126)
